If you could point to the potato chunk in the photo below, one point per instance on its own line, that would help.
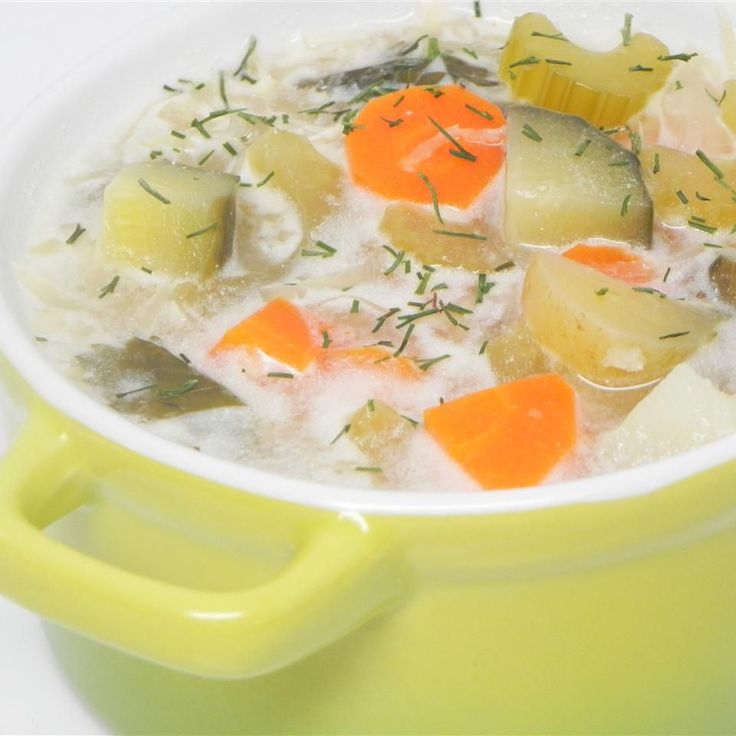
(308, 179)
(604, 88)
(605, 330)
(168, 218)
(684, 411)
(567, 181)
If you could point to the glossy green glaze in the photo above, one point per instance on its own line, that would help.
(271, 618)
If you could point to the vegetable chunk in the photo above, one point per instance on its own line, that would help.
(279, 330)
(618, 263)
(567, 181)
(308, 179)
(510, 436)
(684, 411)
(606, 330)
(169, 218)
(604, 88)
(417, 231)
(421, 142)
(377, 429)
(691, 189)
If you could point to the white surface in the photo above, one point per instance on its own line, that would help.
(40, 42)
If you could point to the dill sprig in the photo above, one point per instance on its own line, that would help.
(626, 30)
(78, 232)
(109, 288)
(184, 388)
(240, 71)
(457, 234)
(404, 342)
(203, 231)
(343, 431)
(426, 364)
(324, 250)
(530, 133)
(279, 374)
(433, 194)
(459, 150)
(150, 190)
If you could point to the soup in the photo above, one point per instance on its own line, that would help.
(433, 259)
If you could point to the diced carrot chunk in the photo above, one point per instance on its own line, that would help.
(618, 263)
(279, 330)
(403, 136)
(509, 436)
(372, 358)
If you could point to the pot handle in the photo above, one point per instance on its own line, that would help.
(341, 576)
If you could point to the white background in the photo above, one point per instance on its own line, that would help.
(39, 42)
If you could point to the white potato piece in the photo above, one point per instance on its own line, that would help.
(684, 411)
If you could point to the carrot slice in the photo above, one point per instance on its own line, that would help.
(509, 436)
(279, 330)
(618, 263)
(403, 134)
(373, 358)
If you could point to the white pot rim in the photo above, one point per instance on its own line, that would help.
(21, 351)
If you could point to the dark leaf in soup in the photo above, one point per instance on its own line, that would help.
(462, 70)
(145, 379)
(396, 71)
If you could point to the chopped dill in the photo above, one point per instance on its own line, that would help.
(265, 179)
(626, 30)
(681, 196)
(674, 334)
(355, 307)
(222, 90)
(551, 36)
(583, 147)
(206, 158)
(625, 205)
(230, 148)
(279, 374)
(343, 431)
(398, 258)
(458, 151)
(483, 287)
(476, 9)
(702, 156)
(404, 342)
(456, 234)
(525, 62)
(558, 61)
(78, 232)
(656, 167)
(413, 46)
(382, 319)
(433, 194)
(177, 134)
(240, 71)
(197, 124)
(326, 341)
(530, 133)
(666, 274)
(485, 115)
(483, 348)
(677, 57)
(425, 365)
(203, 231)
(184, 388)
(392, 123)
(367, 469)
(640, 68)
(700, 225)
(602, 292)
(504, 266)
(109, 288)
(150, 190)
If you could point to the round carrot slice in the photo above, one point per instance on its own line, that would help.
(411, 141)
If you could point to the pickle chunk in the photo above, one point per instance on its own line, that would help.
(605, 330)
(417, 231)
(172, 219)
(690, 189)
(567, 181)
(604, 88)
(377, 429)
(308, 179)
